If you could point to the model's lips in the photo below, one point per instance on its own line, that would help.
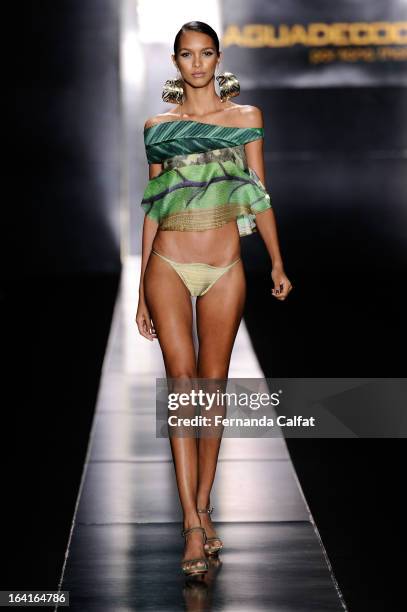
(198, 74)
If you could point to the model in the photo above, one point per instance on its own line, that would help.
(205, 191)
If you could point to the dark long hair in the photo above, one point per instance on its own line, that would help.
(196, 26)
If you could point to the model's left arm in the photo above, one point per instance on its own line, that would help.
(266, 220)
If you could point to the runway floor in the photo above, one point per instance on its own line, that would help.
(125, 548)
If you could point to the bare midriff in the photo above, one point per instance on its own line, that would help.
(217, 246)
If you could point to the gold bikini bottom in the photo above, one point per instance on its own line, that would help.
(197, 277)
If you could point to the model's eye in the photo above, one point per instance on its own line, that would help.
(185, 53)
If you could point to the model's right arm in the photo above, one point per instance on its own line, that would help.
(150, 228)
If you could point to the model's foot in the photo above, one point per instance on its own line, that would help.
(194, 544)
(206, 523)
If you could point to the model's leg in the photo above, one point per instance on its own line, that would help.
(170, 307)
(219, 313)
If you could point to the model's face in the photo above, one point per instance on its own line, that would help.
(196, 58)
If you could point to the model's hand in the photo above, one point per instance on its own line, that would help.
(282, 285)
(144, 322)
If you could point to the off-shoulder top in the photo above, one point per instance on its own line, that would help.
(206, 181)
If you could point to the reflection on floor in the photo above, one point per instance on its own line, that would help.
(125, 548)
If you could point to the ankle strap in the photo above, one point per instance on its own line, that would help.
(208, 510)
(185, 532)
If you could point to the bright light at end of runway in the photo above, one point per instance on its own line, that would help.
(132, 65)
(160, 20)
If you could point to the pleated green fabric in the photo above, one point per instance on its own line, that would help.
(206, 181)
(170, 138)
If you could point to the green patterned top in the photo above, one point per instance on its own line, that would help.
(205, 181)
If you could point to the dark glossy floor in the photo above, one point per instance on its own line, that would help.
(126, 547)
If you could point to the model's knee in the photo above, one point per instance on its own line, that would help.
(181, 373)
(211, 372)
(182, 381)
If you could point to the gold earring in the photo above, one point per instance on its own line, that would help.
(173, 91)
(229, 85)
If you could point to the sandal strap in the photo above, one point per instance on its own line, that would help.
(195, 560)
(211, 539)
(208, 510)
(185, 532)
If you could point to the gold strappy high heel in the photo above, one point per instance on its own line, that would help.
(199, 565)
(211, 549)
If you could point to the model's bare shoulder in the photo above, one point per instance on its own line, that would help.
(161, 118)
(150, 122)
(251, 116)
